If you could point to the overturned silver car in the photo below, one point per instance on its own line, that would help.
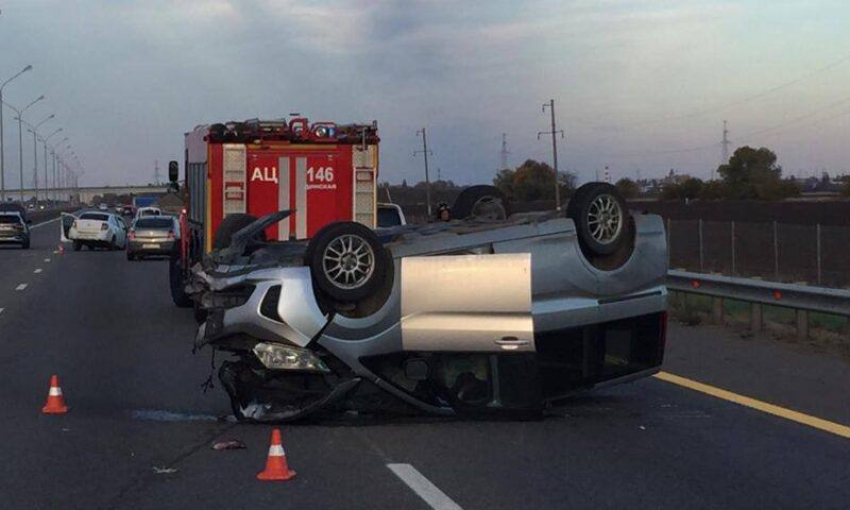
(474, 316)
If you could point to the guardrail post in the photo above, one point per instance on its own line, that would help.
(802, 324)
(717, 309)
(733, 248)
(817, 230)
(776, 251)
(756, 316)
(701, 256)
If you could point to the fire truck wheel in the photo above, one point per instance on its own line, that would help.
(482, 203)
(230, 225)
(347, 261)
(602, 219)
(175, 281)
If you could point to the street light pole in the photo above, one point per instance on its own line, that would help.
(21, 141)
(46, 171)
(2, 155)
(34, 131)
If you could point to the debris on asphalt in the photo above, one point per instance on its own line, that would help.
(231, 444)
(164, 470)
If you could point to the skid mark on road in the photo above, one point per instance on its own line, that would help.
(169, 416)
(423, 487)
(788, 414)
(21, 286)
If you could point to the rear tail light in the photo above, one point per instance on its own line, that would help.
(131, 234)
(171, 234)
(104, 226)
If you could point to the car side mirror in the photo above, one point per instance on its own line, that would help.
(173, 171)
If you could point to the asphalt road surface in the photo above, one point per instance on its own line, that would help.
(106, 326)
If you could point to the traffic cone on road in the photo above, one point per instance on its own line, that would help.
(55, 401)
(276, 466)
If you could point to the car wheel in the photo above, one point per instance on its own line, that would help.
(230, 225)
(113, 244)
(347, 261)
(78, 246)
(25, 245)
(481, 203)
(175, 281)
(130, 256)
(602, 219)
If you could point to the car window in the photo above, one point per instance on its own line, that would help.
(10, 219)
(154, 223)
(94, 216)
(388, 217)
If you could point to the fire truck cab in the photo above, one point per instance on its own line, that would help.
(322, 171)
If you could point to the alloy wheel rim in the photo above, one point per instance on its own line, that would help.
(348, 261)
(605, 219)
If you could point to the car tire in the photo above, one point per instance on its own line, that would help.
(25, 245)
(601, 217)
(230, 225)
(78, 246)
(130, 257)
(113, 245)
(347, 261)
(175, 281)
(481, 202)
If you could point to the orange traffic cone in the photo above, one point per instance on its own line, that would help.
(276, 466)
(55, 401)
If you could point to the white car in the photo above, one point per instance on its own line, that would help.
(148, 211)
(94, 229)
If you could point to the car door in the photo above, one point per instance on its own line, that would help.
(467, 303)
(68, 220)
(121, 231)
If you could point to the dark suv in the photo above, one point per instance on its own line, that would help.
(14, 229)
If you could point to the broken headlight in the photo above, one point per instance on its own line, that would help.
(288, 357)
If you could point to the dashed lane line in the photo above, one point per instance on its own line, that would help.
(1, 310)
(47, 260)
(423, 487)
(788, 414)
(21, 286)
(37, 271)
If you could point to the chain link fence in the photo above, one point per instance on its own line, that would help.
(811, 254)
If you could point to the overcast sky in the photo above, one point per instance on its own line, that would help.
(640, 86)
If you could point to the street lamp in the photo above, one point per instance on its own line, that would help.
(46, 173)
(34, 132)
(2, 158)
(21, 140)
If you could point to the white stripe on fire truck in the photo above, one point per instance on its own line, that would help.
(301, 198)
(283, 197)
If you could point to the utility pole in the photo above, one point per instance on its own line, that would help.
(156, 172)
(725, 143)
(503, 162)
(425, 152)
(553, 132)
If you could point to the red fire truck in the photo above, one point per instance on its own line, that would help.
(238, 171)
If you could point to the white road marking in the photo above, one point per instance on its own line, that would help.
(423, 487)
(21, 286)
(37, 271)
(47, 260)
(45, 222)
(1, 310)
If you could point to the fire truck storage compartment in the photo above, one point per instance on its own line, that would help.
(324, 172)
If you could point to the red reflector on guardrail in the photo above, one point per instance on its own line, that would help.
(695, 284)
(777, 294)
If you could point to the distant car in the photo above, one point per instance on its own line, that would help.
(103, 207)
(128, 210)
(148, 211)
(96, 229)
(390, 215)
(152, 235)
(14, 229)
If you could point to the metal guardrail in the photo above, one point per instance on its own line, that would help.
(801, 298)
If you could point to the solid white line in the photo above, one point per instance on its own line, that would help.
(21, 286)
(37, 271)
(423, 487)
(45, 222)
